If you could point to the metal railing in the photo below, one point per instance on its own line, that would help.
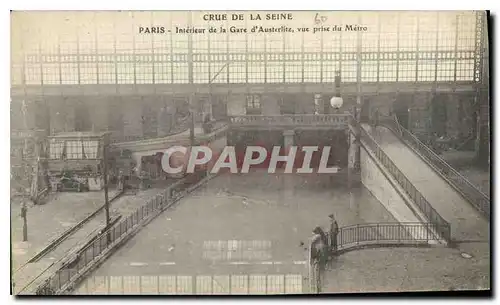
(216, 133)
(322, 120)
(389, 233)
(78, 265)
(180, 126)
(159, 143)
(377, 234)
(468, 190)
(425, 207)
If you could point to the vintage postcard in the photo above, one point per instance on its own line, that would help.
(249, 152)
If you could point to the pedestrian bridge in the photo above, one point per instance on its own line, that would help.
(377, 235)
(242, 122)
(150, 147)
(291, 122)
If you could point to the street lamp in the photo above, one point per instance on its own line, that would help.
(24, 216)
(336, 101)
(105, 178)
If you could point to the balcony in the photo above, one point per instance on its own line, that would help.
(337, 121)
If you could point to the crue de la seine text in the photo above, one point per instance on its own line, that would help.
(223, 17)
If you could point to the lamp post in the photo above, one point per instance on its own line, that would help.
(336, 101)
(24, 214)
(191, 81)
(105, 177)
(24, 208)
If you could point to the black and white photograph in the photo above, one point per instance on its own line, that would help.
(180, 153)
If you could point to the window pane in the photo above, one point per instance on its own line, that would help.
(50, 74)
(56, 149)
(90, 149)
(237, 72)
(69, 73)
(74, 150)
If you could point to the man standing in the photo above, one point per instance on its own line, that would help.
(120, 179)
(319, 247)
(334, 231)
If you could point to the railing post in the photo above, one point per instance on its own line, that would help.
(340, 244)
(85, 256)
(357, 234)
(427, 233)
(399, 232)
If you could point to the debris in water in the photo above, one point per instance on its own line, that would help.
(466, 255)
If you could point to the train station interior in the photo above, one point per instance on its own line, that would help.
(95, 97)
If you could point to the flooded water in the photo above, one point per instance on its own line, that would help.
(241, 224)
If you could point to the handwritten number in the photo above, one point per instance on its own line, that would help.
(320, 19)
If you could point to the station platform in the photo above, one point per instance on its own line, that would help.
(52, 220)
(408, 270)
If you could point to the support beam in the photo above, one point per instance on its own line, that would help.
(191, 102)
